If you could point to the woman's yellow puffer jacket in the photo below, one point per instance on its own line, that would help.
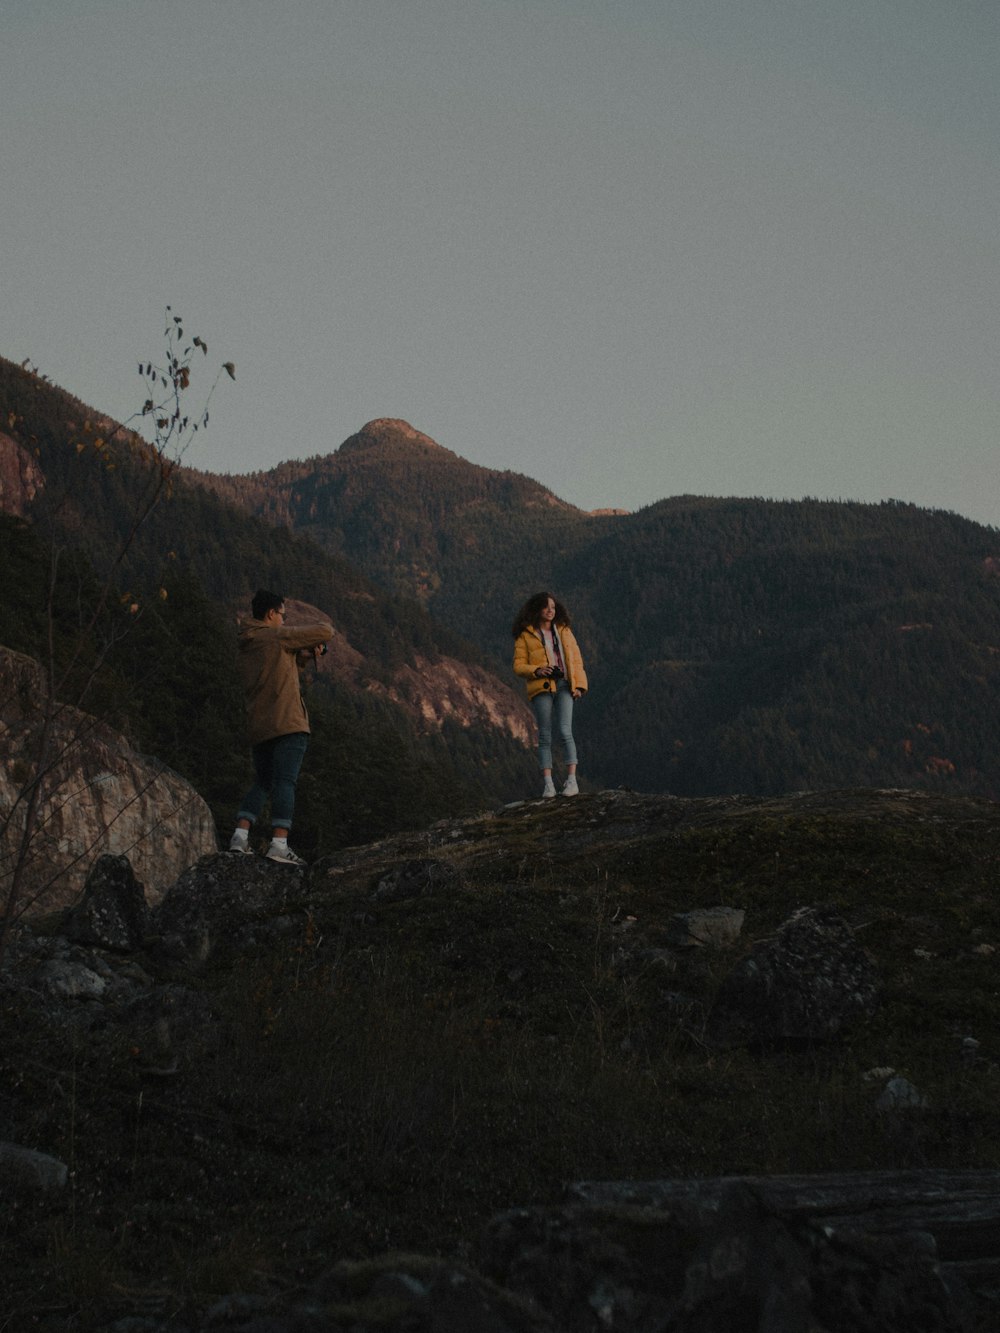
(529, 654)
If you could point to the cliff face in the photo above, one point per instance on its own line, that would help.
(433, 692)
(96, 794)
(21, 478)
(449, 690)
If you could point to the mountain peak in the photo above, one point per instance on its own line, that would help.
(387, 431)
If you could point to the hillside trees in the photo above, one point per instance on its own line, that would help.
(818, 645)
(167, 676)
(79, 616)
(731, 644)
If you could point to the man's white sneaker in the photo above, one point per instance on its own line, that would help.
(284, 856)
(549, 789)
(569, 786)
(240, 845)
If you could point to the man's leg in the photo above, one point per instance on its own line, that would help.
(286, 761)
(253, 802)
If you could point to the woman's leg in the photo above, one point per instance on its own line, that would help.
(541, 706)
(564, 724)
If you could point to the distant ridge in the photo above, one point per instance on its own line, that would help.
(733, 644)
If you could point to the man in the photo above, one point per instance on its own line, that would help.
(270, 654)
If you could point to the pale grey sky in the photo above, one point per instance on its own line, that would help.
(632, 248)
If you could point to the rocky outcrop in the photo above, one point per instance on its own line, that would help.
(95, 795)
(873, 1252)
(173, 1047)
(225, 904)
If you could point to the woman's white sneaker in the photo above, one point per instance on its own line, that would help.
(549, 789)
(569, 786)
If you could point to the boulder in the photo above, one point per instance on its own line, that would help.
(805, 984)
(715, 927)
(26, 1172)
(113, 912)
(96, 795)
(69, 979)
(223, 903)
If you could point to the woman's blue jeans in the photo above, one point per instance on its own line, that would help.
(544, 704)
(276, 765)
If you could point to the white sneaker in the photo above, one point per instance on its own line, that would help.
(284, 856)
(569, 786)
(240, 845)
(549, 789)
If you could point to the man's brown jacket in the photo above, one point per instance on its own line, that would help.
(270, 676)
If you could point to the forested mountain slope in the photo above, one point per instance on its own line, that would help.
(410, 725)
(409, 512)
(747, 645)
(733, 644)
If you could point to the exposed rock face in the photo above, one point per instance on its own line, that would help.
(446, 690)
(97, 795)
(449, 690)
(21, 478)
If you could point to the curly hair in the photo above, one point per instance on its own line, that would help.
(530, 614)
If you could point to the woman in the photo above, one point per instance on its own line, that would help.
(547, 655)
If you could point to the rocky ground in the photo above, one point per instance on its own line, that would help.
(365, 1096)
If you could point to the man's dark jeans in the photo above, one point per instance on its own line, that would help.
(276, 765)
